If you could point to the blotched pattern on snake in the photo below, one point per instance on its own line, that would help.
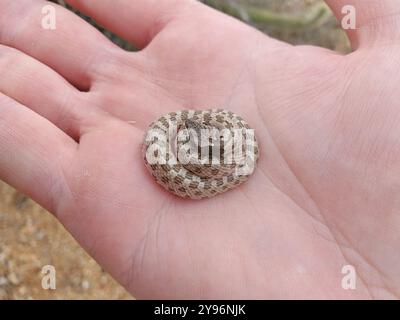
(200, 153)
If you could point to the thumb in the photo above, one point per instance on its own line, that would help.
(375, 20)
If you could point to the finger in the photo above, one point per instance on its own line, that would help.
(137, 21)
(74, 49)
(35, 85)
(375, 20)
(34, 153)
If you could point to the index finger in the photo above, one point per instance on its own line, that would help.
(70, 46)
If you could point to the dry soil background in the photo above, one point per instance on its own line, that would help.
(31, 238)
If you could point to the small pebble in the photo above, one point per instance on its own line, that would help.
(85, 284)
(3, 281)
(12, 277)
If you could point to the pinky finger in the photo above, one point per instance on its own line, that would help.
(33, 153)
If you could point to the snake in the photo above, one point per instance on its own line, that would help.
(197, 154)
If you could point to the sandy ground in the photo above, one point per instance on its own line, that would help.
(31, 238)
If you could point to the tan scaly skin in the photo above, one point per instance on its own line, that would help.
(327, 189)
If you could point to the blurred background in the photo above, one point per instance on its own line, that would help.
(31, 238)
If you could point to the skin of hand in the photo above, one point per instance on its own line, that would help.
(326, 192)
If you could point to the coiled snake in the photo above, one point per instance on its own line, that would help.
(200, 153)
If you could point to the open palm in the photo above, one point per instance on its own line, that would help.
(325, 194)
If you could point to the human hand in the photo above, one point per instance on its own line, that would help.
(326, 189)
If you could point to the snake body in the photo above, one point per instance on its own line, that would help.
(226, 152)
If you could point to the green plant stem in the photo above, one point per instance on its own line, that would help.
(314, 17)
